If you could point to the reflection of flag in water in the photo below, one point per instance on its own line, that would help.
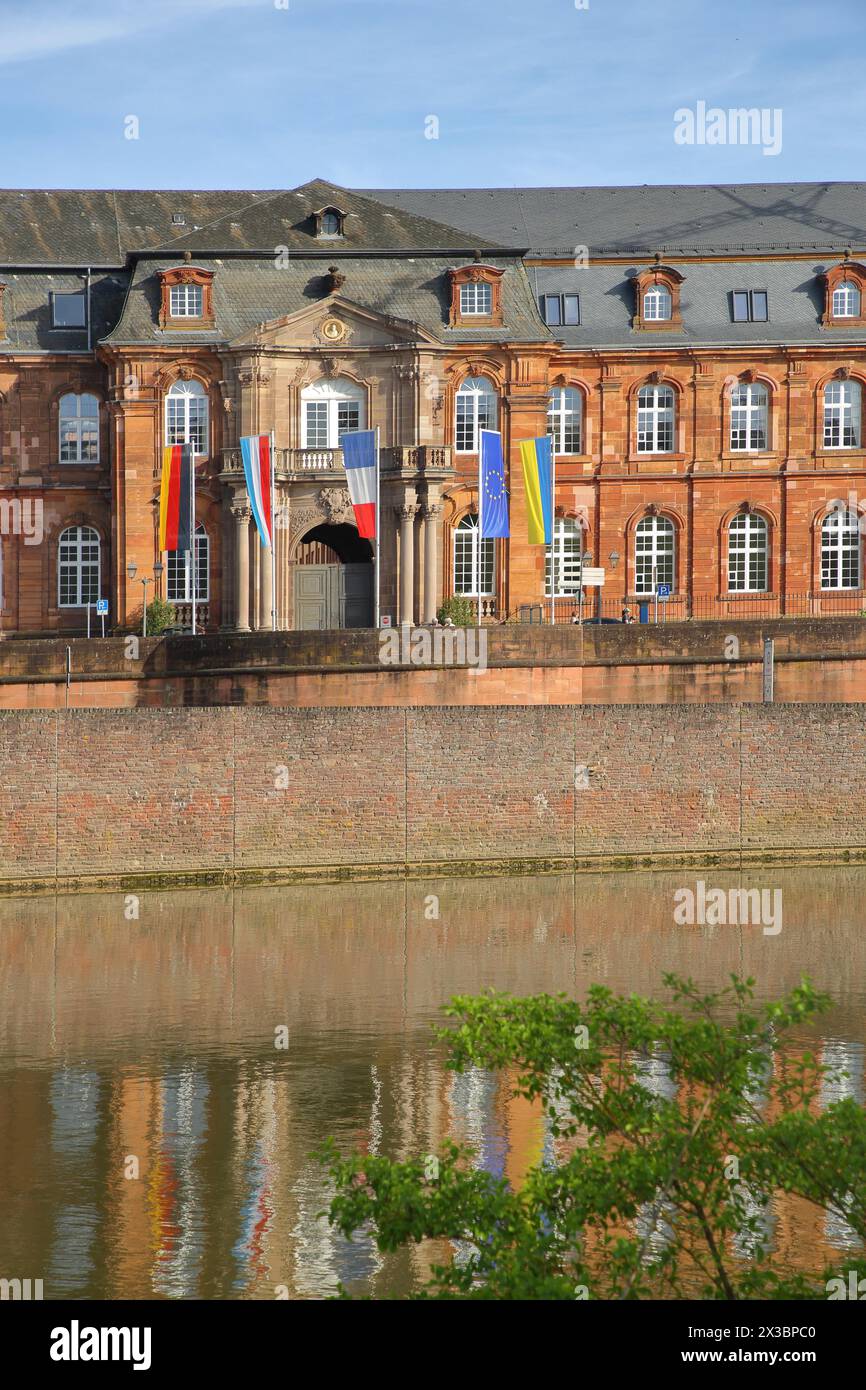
(536, 455)
(256, 455)
(491, 486)
(359, 456)
(176, 504)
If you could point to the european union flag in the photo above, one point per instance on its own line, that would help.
(494, 498)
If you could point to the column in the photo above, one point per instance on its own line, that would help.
(432, 512)
(241, 515)
(266, 565)
(406, 514)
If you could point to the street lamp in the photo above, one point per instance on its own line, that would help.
(132, 570)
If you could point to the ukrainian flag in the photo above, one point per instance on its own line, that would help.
(536, 455)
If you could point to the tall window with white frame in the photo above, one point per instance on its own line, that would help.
(177, 576)
(187, 416)
(330, 409)
(841, 557)
(79, 428)
(749, 417)
(467, 559)
(653, 553)
(748, 553)
(842, 415)
(655, 420)
(562, 559)
(475, 411)
(846, 300)
(657, 304)
(565, 419)
(78, 567)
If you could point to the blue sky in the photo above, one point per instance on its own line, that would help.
(252, 94)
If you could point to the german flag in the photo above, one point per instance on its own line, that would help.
(176, 498)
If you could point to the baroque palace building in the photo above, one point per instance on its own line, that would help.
(698, 353)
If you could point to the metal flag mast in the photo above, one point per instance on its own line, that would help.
(191, 551)
(376, 548)
(480, 531)
(553, 575)
(273, 533)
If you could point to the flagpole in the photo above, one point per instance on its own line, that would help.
(377, 598)
(273, 535)
(191, 551)
(553, 530)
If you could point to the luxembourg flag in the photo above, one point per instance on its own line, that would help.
(359, 456)
(256, 455)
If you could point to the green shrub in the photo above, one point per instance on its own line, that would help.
(460, 610)
(160, 615)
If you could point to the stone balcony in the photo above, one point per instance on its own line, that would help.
(299, 464)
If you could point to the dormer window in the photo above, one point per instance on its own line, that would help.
(186, 301)
(846, 301)
(657, 298)
(187, 298)
(844, 286)
(329, 223)
(68, 310)
(657, 304)
(476, 296)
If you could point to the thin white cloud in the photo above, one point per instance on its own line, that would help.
(31, 31)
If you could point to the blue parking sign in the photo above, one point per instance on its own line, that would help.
(663, 590)
(102, 607)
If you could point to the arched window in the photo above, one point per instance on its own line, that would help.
(79, 429)
(749, 416)
(569, 543)
(653, 553)
(840, 549)
(78, 567)
(330, 409)
(565, 419)
(846, 300)
(177, 574)
(466, 559)
(186, 415)
(748, 552)
(476, 411)
(655, 420)
(657, 304)
(842, 415)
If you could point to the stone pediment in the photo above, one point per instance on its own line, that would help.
(335, 322)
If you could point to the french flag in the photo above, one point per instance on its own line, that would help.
(359, 456)
(256, 455)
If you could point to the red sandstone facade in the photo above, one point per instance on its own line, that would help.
(630, 478)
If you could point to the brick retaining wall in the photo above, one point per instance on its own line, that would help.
(100, 795)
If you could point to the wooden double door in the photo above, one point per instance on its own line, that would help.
(332, 596)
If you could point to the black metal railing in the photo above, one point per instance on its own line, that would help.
(830, 603)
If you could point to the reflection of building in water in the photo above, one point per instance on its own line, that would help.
(652, 1070)
(177, 1191)
(844, 1081)
(75, 1117)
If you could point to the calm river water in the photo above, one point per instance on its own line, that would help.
(148, 1045)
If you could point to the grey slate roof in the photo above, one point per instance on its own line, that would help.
(399, 243)
(795, 299)
(708, 219)
(92, 227)
(27, 309)
(248, 292)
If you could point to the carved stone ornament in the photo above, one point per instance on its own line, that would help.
(843, 374)
(332, 330)
(337, 505)
(306, 519)
(331, 366)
